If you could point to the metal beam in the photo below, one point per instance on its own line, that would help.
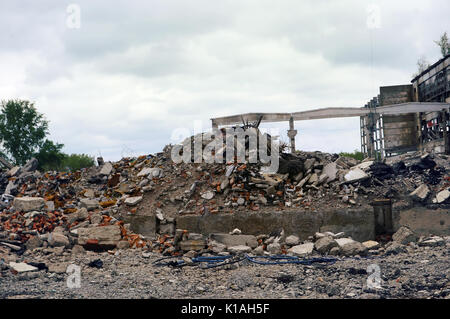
(333, 112)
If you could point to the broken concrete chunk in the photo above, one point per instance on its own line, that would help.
(225, 183)
(309, 163)
(159, 215)
(404, 236)
(236, 231)
(355, 174)
(364, 165)
(123, 244)
(303, 181)
(274, 248)
(79, 215)
(353, 248)
(433, 241)
(420, 193)
(313, 179)
(150, 172)
(330, 170)
(89, 204)
(196, 245)
(235, 240)
(395, 248)
(208, 195)
(106, 169)
(324, 244)
(30, 166)
(240, 249)
(13, 171)
(133, 201)
(89, 193)
(27, 204)
(302, 250)
(442, 196)
(318, 235)
(230, 170)
(34, 242)
(338, 235)
(334, 251)
(59, 268)
(371, 244)
(50, 206)
(343, 241)
(96, 218)
(195, 236)
(22, 267)
(101, 236)
(217, 247)
(57, 239)
(322, 179)
(292, 240)
(298, 177)
(11, 188)
(258, 251)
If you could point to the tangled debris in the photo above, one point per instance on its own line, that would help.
(88, 208)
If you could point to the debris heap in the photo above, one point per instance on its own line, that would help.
(89, 208)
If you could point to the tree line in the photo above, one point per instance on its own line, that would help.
(24, 134)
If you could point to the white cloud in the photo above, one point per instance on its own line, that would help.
(135, 71)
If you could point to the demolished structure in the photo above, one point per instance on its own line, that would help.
(224, 201)
(153, 203)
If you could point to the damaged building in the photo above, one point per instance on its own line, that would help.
(425, 130)
(400, 119)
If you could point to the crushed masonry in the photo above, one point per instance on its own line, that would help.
(95, 208)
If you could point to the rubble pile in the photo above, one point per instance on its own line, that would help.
(327, 243)
(88, 208)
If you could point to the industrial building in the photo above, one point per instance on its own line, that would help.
(401, 118)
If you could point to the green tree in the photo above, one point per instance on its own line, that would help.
(356, 155)
(75, 162)
(22, 130)
(443, 44)
(50, 156)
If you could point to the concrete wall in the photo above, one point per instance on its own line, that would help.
(358, 223)
(422, 220)
(436, 146)
(144, 225)
(400, 131)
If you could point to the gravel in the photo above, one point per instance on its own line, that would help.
(420, 272)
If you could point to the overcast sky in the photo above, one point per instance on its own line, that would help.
(119, 82)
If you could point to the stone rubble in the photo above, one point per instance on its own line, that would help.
(109, 194)
(91, 210)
